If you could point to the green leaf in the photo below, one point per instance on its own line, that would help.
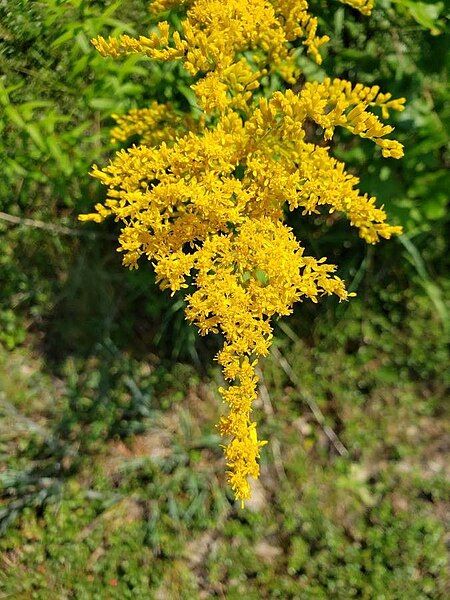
(262, 277)
(425, 14)
(58, 154)
(14, 116)
(33, 131)
(102, 103)
(434, 292)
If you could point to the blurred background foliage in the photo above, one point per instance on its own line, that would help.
(112, 478)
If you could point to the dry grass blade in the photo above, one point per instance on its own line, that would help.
(312, 404)
(50, 227)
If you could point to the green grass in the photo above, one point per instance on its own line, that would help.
(113, 483)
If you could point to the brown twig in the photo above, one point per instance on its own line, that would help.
(51, 227)
(269, 410)
(312, 404)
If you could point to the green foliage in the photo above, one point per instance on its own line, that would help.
(104, 400)
(56, 99)
(403, 51)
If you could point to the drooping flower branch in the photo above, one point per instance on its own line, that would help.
(204, 198)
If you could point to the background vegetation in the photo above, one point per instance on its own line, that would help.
(112, 479)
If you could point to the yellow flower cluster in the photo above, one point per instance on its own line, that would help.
(155, 124)
(204, 199)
